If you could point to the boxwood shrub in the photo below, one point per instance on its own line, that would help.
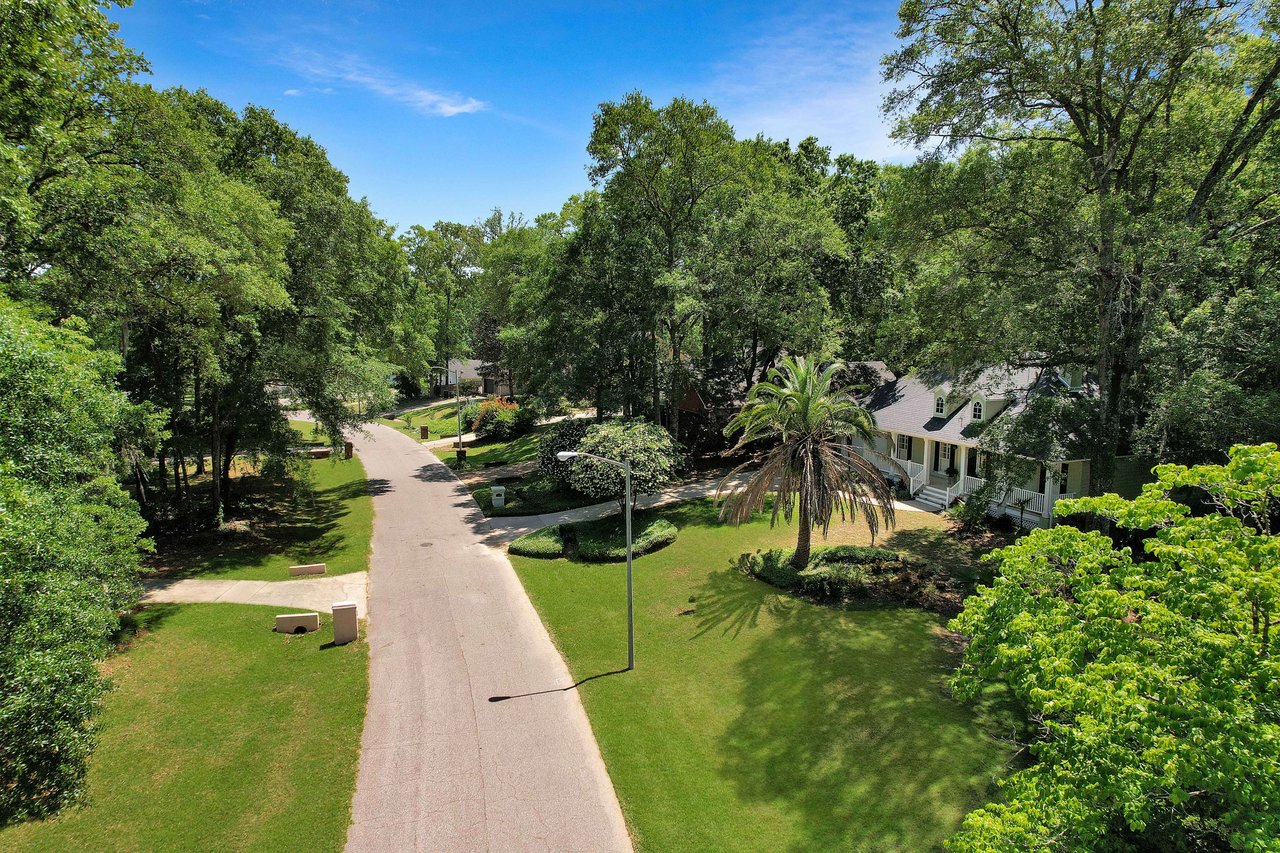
(601, 541)
(544, 544)
(604, 541)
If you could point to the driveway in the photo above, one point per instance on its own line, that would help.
(447, 761)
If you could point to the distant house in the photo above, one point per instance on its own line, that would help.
(475, 379)
(931, 427)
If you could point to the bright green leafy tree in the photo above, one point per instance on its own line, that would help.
(69, 549)
(1151, 678)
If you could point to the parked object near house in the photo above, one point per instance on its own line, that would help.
(932, 425)
(297, 623)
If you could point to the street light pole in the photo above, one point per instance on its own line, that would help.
(625, 465)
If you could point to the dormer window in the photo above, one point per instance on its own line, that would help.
(940, 405)
(977, 410)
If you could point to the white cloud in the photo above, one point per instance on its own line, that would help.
(293, 93)
(351, 69)
(812, 75)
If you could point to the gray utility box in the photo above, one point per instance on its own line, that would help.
(498, 495)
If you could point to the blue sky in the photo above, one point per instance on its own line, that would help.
(444, 110)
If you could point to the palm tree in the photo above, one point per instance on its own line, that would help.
(811, 467)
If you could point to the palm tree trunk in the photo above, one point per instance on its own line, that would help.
(804, 536)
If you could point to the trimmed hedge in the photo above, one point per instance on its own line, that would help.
(605, 541)
(602, 541)
(544, 544)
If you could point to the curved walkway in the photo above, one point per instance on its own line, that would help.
(507, 528)
(444, 766)
(310, 593)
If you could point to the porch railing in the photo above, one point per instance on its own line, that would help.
(1034, 500)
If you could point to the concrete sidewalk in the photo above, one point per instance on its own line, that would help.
(312, 593)
(446, 762)
(505, 529)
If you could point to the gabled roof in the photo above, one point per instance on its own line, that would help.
(906, 404)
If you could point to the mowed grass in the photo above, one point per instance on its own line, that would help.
(489, 452)
(441, 419)
(759, 721)
(220, 735)
(328, 521)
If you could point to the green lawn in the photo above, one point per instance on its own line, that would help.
(523, 448)
(220, 735)
(531, 495)
(440, 418)
(329, 521)
(759, 721)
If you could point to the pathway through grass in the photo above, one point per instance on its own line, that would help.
(758, 721)
(220, 735)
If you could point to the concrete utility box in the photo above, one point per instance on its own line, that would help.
(309, 569)
(348, 449)
(346, 623)
(498, 495)
(297, 623)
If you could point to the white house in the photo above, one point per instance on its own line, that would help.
(931, 431)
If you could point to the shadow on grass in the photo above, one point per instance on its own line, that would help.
(140, 621)
(304, 527)
(844, 716)
(937, 547)
(845, 719)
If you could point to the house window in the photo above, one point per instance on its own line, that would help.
(940, 406)
(904, 447)
(977, 410)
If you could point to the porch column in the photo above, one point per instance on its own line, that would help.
(962, 465)
(1051, 492)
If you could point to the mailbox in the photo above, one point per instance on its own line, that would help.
(498, 495)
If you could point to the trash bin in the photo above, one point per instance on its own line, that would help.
(498, 494)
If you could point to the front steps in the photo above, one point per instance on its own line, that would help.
(933, 496)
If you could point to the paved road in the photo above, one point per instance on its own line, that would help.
(312, 593)
(450, 628)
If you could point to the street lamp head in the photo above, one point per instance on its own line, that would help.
(566, 455)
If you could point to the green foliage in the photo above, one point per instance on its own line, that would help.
(1130, 159)
(1153, 680)
(774, 566)
(605, 540)
(470, 414)
(564, 436)
(854, 554)
(649, 448)
(495, 419)
(810, 467)
(69, 549)
(544, 544)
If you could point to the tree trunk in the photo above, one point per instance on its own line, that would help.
(215, 459)
(804, 536)
(228, 456)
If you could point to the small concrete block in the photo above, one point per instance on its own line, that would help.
(321, 452)
(297, 623)
(346, 622)
(309, 569)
